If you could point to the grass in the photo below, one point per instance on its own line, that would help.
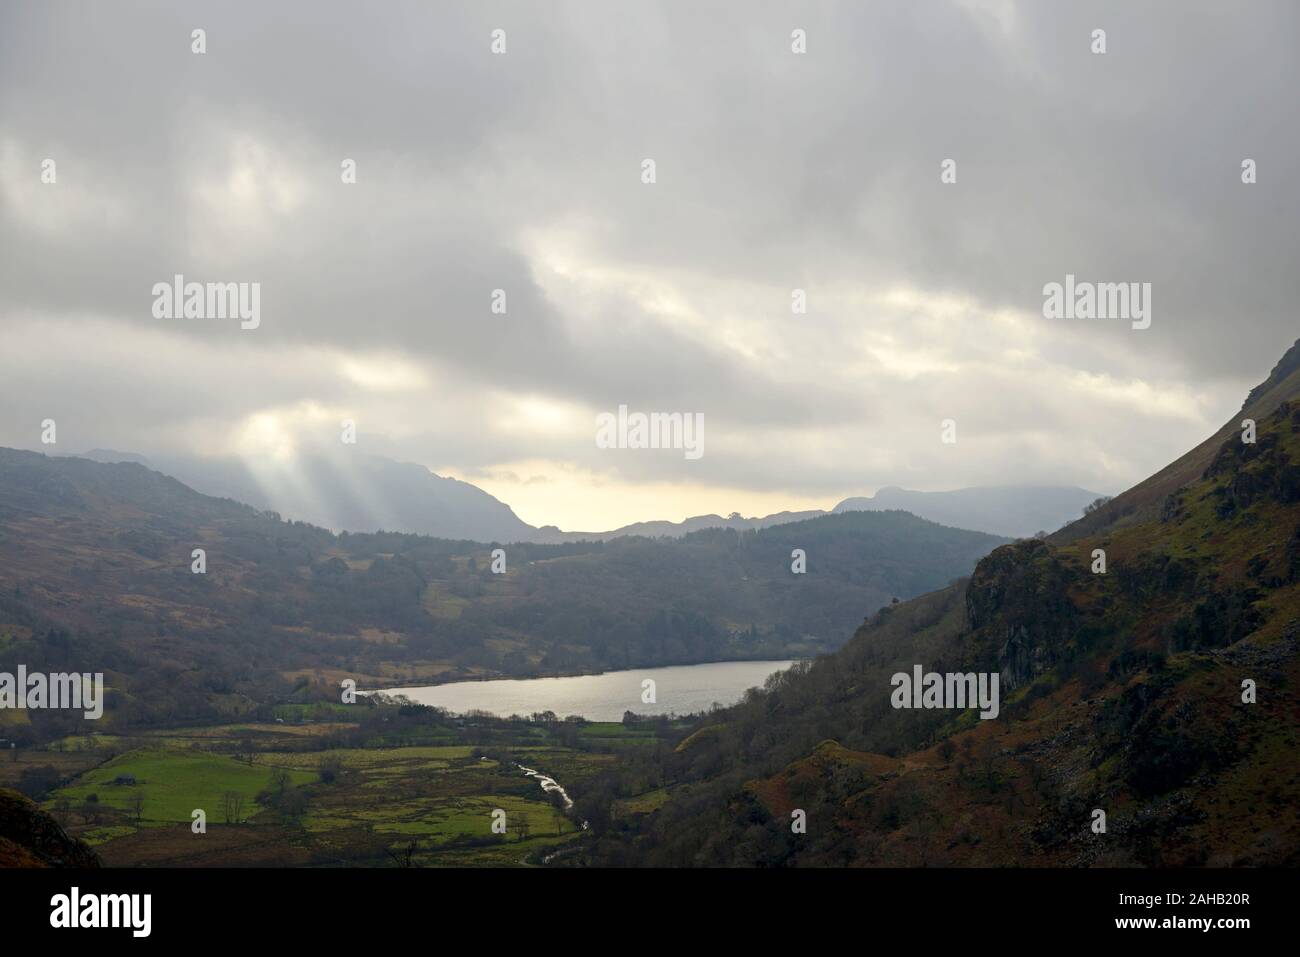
(96, 836)
(642, 803)
(320, 711)
(173, 784)
(397, 759)
(379, 800)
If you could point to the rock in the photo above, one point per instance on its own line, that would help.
(29, 837)
(1018, 610)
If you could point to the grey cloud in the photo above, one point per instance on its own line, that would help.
(775, 171)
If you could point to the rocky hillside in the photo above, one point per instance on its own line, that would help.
(31, 838)
(1145, 500)
(1123, 691)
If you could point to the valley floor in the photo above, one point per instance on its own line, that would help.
(306, 792)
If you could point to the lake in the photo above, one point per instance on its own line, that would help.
(679, 689)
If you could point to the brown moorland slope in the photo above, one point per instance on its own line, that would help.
(1160, 692)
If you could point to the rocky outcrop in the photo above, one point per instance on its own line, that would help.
(1018, 612)
(1289, 363)
(1259, 470)
(1021, 659)
(31, 838)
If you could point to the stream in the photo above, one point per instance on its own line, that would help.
(550, 785)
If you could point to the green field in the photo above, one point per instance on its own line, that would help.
(172, 783)
(329, 791)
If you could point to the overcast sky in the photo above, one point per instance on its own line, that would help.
(775, 171)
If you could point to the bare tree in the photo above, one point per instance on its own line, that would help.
(232, 806)
(279, 781)
(1095, 504)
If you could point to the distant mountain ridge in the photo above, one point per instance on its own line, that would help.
(97, 574)
(369, 493)
(1010, 510)
(355, 493)
(665, 529)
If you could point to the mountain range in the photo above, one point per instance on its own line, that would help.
(348, 492)
(369, 493)
(97, 573)
(1017, 511)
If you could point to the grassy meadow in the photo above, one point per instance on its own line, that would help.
(393, 786)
